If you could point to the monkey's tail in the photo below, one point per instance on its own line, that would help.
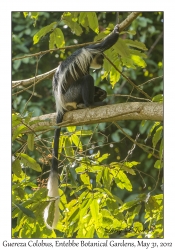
(52, 184)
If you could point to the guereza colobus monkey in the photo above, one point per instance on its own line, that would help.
(73, 84)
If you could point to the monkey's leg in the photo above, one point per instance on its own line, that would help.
(88, 92)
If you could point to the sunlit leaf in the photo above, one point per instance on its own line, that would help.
(43, 31)
(157, 136)
(29, 162)
(18, 131)
(30, 142)
(135, 44)
(158, 98)
(122, 181)
(85, 179)
(94, 207)
(56, 39)
(26, 211)
(69, 19)
(93, 21)
(76, 141)
(16, 168)
(68, 148)
(158, 164)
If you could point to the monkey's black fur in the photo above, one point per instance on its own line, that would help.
(73, 84)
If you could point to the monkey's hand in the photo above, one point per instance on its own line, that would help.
(99, 95)
(116, 29)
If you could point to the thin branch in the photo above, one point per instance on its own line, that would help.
(130, 96)
(155, 43)
(153, 79)
(109, 113)
(129, 20)
(37, 79)
(41, 53)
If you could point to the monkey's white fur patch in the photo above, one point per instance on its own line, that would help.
(52, 187)
(84, 60)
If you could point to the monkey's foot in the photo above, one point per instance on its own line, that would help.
(71, 106)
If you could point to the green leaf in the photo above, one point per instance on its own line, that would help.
(132, 213)
(42, 32)
(51, 213)
(83, 20)
(98, 178)
(34, 15)
(94, 208)
(84, 208)
(158, 98)
(131, 164)
(161, 149)
(137, 53)
(122, 49)
(103, 157)
(69, 152)
(85, 179)
(114, 74)
(93, 21)
(106, 178)
(25, 14)
(63, 199)
(30, 162)
(56, 38)
(90, 232)
(137, 227)
(74, 214)
(122, 181)
(70, 20)
(111, 204)
(157, 136)
(152, 205)
(131, 32)
(82, 168)
(18, 131)
(30, 142)
(26, 211)
(107, 221)
(128, 170)
(138, 61)
(128, 205)
(16, 168)
(40, 194)
(76, 141)
(73, 175)
(71, 128)
(153, 127)
(84, 132)
(135, 44)
(158, 164)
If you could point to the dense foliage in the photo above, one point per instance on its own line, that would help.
(112, 178)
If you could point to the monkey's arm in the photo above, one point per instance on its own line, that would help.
(107, 42)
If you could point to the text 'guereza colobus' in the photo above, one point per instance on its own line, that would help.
(73, 84)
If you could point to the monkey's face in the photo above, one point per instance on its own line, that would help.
(97, 61)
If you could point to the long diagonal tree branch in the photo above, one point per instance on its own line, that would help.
(109, 113)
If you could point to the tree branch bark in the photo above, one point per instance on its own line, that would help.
(109, 113)
(36, 79)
